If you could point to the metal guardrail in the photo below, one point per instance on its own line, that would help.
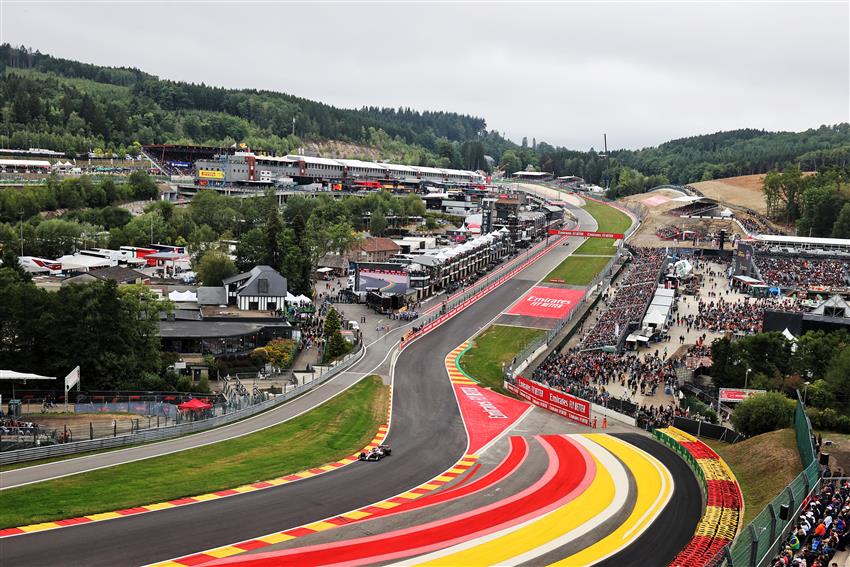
(163, 433)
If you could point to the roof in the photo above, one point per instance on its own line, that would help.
(24, 163)
(276, 282)
(167, 256)
(12, 375)
(834, 302)
(208, 329)
(70, 262)
(333, 261)
(531, 174)
(120, 274)
(363, 164)
(378, 244)
(781, 239)
(212, 295)
(314, 160)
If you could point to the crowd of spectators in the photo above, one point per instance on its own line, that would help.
(629, 302)
(588, 375)
(10, 426)
(821, 529)
(671, 232)
(794, 272)
(753, 224)
(743, 315)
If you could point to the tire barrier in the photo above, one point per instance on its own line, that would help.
(723, 500)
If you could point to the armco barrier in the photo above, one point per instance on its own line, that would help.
(162, 433)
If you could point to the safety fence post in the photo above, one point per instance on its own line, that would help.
(754, 545)
(91, 431)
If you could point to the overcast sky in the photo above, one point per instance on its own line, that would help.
(561, 72)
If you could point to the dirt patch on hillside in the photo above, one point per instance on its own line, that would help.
(744, 191)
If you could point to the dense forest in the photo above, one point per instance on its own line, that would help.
(78, 107)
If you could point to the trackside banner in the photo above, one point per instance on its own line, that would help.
(585, 233)
(563, 404)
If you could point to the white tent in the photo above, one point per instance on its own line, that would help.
(82, 262)
(12, 375)
(302, 299)
(183, 296)
(325, 270)
(290, 298)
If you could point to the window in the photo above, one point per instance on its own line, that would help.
(263, 286)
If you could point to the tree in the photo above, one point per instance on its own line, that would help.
(280, 352)
(333, 323)
(838, 377)
(252, 250)
(763, 413)
(841, 228)
(336, 346)
(215, 266)
(510, 162)
(378, 224)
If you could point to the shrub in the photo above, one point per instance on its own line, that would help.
(763, 413)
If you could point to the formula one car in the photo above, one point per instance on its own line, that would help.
(376, 454)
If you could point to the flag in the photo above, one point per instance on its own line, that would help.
(72, 379)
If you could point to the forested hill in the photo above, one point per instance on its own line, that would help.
(77, 107)
(741, 152)
(73, 106)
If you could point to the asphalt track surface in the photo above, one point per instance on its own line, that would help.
(675, 526)
(427, 436)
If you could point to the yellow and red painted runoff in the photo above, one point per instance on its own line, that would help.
(724, 503)
(379, 438)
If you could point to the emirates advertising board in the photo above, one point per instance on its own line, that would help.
(563, 404)
(738, 394)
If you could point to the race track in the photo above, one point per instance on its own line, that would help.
(428, 437)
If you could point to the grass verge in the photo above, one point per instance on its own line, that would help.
(594, 246)
(330, 432)
(496, 346)
(608, 218)
(577, 270)
(763, 465)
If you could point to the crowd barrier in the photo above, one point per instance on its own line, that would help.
(163, 433)
(704, 429)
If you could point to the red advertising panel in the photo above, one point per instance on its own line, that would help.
(563, 404)
(584, 233)
(738, 394)
(551, 302)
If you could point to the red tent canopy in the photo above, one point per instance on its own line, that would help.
(194, 405)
